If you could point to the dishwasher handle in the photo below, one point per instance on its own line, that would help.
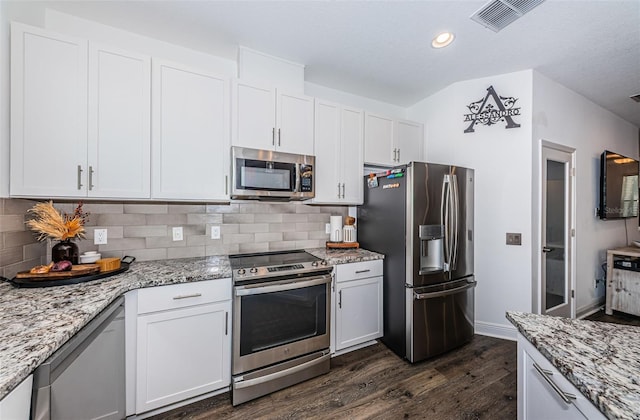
(441, 293)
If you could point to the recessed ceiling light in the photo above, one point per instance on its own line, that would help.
(442, 40)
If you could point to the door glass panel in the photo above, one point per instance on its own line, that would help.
(555, 234)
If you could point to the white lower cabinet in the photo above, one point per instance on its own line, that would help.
(357, 305)
(17, 404)
(544, 393)
(183, 342)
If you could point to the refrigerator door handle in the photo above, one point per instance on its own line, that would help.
(455, 204)
(431, 295)
(445, 202)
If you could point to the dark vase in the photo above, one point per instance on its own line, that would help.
(65, 251)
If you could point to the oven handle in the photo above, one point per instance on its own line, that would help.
(272, 376)
(290, 285)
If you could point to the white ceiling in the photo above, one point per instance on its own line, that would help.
(381, 49)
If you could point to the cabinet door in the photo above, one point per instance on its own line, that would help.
(119, 123)
(409, 141)
(48, 113)
(327, 152)
(254, 116)
(378, 140)
(358, 311)
(17, 404)
(181, 354)
(294, 123)
(190, 133)
(351, 155)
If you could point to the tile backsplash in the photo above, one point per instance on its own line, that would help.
(144, 230)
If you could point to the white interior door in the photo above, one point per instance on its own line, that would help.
(556, 263)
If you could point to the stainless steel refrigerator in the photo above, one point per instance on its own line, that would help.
(420, 216)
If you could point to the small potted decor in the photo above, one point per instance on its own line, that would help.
(49, 223)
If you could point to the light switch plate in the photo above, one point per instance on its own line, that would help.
(327, 228)
(514, 238)
(177, 233)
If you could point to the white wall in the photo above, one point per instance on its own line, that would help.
(502, 162)
(564, 117)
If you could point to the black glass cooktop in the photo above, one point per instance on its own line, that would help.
(268, 259)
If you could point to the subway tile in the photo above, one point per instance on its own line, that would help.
(238, 218)
(295, 236)
(188, 230)
(146, 208)
(229, 228)
(308, 227)
(268, 237)
(305, 208)
(196, 240)
(149, 254)
(204, 218)
(319, 235)
(254, 228)
(103, 208)
(12, 223)
(219, 249)
(237, 238)
(310, 244)
(282, 227)
(175, 219)
(17, 206)
(19, 238)
(222, 208)
(269, 217)
(187, 208)
(122, 244)
(319, 217)
(143, 231)
(282, 245)
(10, 256)
(230, 249)
(249, 247)
(11, 270)
(2, 201)
(34, 251)
(185, 252)
(111, 219)
(163, 242)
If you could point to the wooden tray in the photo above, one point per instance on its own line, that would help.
(77, 270)
(342, 245)
(62, 281)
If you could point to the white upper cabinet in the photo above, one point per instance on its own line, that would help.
(79, 117)
(190, 135)
(392, 142)
(409, 141)
(119, 123)
(269, 119)
(48, 113)
(338, 150)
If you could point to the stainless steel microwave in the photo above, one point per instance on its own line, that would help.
(271, 175)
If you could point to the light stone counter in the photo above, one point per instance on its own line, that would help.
(35, 322)
(601, 359)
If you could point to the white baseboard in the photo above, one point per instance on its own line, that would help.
(594, 307)
(506, 332)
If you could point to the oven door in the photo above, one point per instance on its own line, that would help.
(280, 320)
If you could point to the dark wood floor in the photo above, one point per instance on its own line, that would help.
(477, 381)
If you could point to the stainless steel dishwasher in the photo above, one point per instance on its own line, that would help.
(85, 378)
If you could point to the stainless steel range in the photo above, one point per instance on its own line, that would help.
(281, 309)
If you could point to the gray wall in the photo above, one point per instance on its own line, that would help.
(144, 230)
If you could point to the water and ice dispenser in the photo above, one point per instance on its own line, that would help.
(431, 249)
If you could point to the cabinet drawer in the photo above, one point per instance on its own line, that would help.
(359, 270)
(181, 295)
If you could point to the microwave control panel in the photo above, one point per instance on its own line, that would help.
(306, 178)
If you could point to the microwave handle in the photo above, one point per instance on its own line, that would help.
(298, 179)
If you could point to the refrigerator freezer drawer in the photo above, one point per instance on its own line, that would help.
(442, 318)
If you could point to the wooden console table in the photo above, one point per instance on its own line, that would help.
(623, 286)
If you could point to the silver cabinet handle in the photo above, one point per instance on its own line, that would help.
(394, 154)
(343, 190)
(273, 136)
(362, 271)
(90, 177)
(226, 184)
(398, 155)
(226, 323)
(340, 299)
(566, 397)
(79, 177)
(338, 190)
(187, 296)
(278, 137)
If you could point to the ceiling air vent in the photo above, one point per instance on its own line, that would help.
(497, 14)
(636, 97)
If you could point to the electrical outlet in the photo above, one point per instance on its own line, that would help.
(327, 228)
(100, 236)
(177, 233)
(215, 232)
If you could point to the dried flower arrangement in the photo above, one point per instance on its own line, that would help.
(49, 223)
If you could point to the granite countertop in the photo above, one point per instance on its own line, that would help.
(600, 359)
(35, 322)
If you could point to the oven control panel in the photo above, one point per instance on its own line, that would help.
(285, 268)
(244, 274)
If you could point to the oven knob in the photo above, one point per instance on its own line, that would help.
(241, 271)
(323, 262)
(253, 270)
(314, 264)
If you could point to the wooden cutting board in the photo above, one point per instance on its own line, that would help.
(76, 271)
(342, 245)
